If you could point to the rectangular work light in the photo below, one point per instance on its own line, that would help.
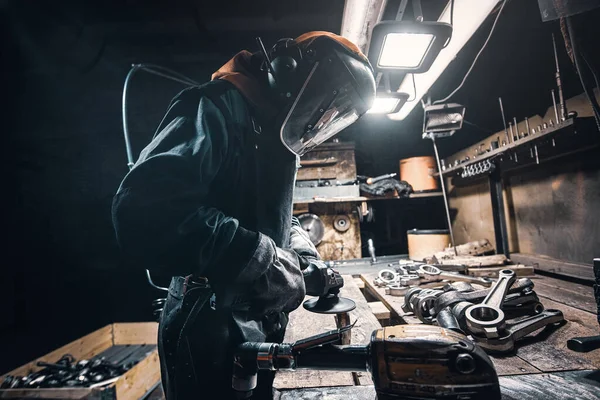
(388, 102)
(443, 119)
(407, 46)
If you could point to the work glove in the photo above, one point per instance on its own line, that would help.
(301, 244)
(320, 280)
(379, 188)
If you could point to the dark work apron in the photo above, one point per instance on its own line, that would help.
(196, 341)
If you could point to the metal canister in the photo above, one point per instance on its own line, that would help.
(418, 172)
(424, 243)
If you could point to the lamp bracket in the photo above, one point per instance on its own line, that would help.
(417, 10)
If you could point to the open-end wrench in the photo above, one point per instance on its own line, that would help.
(488, 318)
(431, 273)
(517, 329)
(520, 287)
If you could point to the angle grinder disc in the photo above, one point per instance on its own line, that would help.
(330, 304)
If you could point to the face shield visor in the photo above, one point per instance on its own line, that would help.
(330, 100)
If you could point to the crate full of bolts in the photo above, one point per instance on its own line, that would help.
(118, 361)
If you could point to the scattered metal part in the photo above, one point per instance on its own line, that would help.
(517, 329)
(516, 126)
(545, 125)
(487, 318)
(431, 273)
(537, 159)
(512, 137)
(527, 126)
(446, 319)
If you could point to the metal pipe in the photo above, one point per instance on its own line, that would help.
(555, 108)
(446, 205)
(503, 118)
(516, 127)
(561, 99)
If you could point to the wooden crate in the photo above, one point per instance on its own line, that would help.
(134, 384)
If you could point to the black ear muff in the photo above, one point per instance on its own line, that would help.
(285, 56)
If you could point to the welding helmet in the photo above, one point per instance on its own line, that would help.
(326, 84)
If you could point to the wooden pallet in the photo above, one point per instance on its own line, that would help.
(134, 384)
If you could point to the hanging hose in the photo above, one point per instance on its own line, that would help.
(155, 70)
(157, 304)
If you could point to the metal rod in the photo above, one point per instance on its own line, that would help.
(498, 213)
(512, 138)
(561, 99)
(503, 117)
(555, 108)
(527, 126)
(446, 204)
(516, 127)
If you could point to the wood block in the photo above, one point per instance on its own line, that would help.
(379, 310)
(492, 272)
(359, 283)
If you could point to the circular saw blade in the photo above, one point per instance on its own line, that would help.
(313, 225)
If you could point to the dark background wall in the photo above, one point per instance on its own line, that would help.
(64, 64)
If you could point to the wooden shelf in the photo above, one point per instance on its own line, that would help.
(363, 198)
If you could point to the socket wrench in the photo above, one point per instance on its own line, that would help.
(488, 318)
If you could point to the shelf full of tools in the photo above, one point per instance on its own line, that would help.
(509, 151)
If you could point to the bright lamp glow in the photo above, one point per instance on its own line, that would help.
(383, 105)
(468, 16)
(404, 50)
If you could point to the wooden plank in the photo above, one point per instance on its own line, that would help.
(549, 352)
(571, 294)
(54, 393)
(366, 322)
(512, 365)
(579, 385)
(359, 283)
(492, 272)
(85, 347)
(380, 310)
(135, 333)
(475, 261)
(303, 324)
(393, 303)
(548, 264)
(140, 379)
(475, 248)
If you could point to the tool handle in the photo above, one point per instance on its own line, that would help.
(584, 344)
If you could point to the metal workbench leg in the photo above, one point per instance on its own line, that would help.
(500, 228)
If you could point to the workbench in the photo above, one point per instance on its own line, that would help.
(541, 368)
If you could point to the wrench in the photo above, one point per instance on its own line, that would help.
(518, 329)
(521, 286)
(487, 318)
(431, 273)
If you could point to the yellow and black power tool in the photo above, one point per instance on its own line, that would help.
(405, 361)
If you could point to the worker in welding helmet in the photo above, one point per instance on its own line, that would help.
(208, 204)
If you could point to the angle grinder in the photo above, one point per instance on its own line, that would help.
(325, 283)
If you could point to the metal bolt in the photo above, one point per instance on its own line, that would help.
(465, 364)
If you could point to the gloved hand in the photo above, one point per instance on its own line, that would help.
(320, 280)
(301, 244)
